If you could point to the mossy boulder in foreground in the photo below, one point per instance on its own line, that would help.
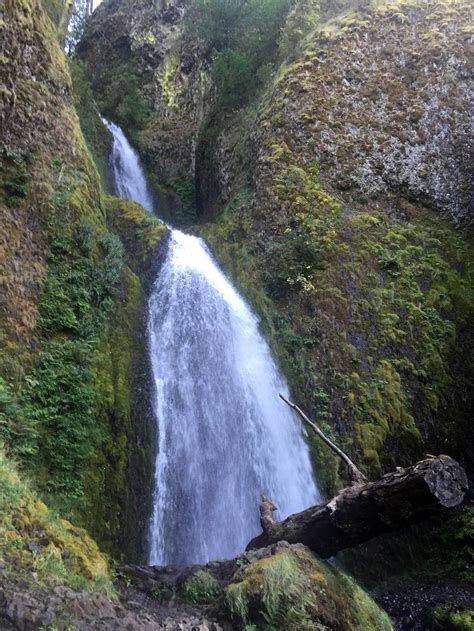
(293, 589)
(282, 586)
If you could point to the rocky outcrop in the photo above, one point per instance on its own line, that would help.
(151, 79)
(35, 84)
(72, 325)
(380, 100)
(62, 608)
(283, 586)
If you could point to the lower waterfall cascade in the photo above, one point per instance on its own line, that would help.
(224, 436)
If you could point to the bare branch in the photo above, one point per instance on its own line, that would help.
(355, 476)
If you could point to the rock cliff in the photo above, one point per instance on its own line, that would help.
(72, 309)
(331, 193)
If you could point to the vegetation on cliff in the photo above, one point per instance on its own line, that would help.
(72, 321)
(42, 548)
(368, 299)
(334, 201)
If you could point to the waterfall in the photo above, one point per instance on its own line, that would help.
(128, 177)
(224, 435)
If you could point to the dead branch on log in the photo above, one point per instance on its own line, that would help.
(355, 476)
(363, 511)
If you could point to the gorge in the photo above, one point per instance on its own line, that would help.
(311, 165)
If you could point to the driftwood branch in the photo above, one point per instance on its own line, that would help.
(363, 511)
(355, 476)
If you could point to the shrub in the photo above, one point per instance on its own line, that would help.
(202, 587)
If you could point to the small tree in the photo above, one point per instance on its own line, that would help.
(77, 22)
(301, 20)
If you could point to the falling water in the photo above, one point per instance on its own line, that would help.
(224, 436)
(128, 176)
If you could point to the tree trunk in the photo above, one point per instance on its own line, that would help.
(363, 511)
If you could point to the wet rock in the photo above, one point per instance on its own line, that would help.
(32, 547)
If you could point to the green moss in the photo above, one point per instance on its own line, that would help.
(139, 230)
(119, 98)
(445, 619)
(295, 590)
(33, 539)
(108, 482)
(167, 80)
(96, 135)
(184, 207)
(202, 587)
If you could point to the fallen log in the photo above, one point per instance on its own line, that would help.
(363, 511)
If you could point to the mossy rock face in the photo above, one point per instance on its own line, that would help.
(139, 230)
(34, 539)
(366, 294)
(292, 589)
(38, 127)
(72, 325)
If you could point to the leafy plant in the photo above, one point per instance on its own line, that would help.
(14, 177)
(202, 587)
(244, 36)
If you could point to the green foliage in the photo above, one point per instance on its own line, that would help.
(214, 21)
(234, 76)
(293, 590)
(202, 587)
(291, 261)
(302, 19)
(445, 618)
(243, 35)
(119, 98)
(77, 294)
(16, 428)
(96, 135)
(14, 176)
(185, 210)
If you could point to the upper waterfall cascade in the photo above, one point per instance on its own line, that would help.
(224, 436)
(129, 179)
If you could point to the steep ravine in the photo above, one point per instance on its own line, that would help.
(340, 203)
(362, 292)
